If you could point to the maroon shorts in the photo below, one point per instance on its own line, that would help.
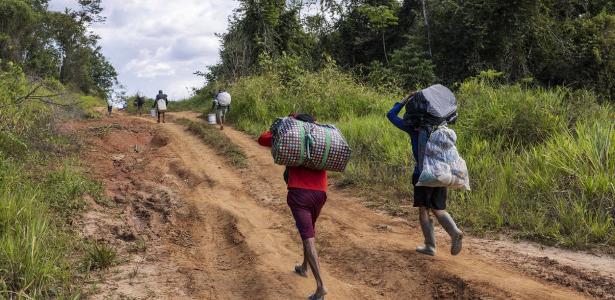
(305, 206)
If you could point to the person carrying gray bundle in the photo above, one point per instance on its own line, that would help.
(222, 106)
(428, 111)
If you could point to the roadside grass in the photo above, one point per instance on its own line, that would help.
(35, 238)
(218, 141)
(540, 160)
(99, 256)
(41, 190)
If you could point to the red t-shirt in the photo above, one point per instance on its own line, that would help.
(300, 177)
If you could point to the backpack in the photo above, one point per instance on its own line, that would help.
(430, 107)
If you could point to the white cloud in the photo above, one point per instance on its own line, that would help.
(158, 44)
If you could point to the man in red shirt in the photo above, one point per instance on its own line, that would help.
(307, 194)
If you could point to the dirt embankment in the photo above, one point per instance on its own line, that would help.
(189, 226)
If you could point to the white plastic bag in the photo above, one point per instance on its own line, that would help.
(442, 164)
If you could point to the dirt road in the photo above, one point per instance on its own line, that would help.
(189, 226)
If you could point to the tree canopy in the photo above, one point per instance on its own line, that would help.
(56, 45)
(414, 42)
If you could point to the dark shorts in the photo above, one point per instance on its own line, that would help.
(305, 206)
(430, 197)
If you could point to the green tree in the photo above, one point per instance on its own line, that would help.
(54, 44)
(412, 66)
(380, 19)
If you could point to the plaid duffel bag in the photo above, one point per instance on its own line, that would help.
(315, 146)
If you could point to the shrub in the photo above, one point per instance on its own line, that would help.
(99, 256)
(523, 117)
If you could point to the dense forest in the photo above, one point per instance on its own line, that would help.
(411, 43)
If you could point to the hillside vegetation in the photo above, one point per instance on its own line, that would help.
(42, 188)
(51, 70)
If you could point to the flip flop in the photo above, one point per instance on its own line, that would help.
(299, 271)
(313, 297)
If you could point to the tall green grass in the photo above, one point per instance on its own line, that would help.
(38, 195)
(540, 160)
(34, 244)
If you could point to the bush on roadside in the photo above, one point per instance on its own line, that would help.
(39, 194)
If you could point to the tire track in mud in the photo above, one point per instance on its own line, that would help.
(367, 261)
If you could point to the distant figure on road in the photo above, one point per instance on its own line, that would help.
(109, 106)
(307, 194)
(221, 105)
(139, 101)
(427, 199)
(160, 104)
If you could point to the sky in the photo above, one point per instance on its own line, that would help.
(159, 44)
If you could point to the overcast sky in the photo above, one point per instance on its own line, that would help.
(158, 44)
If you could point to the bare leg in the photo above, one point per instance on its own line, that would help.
(302, 269)
(163, 117)
(304, 265)
(309, 247)
(451, 228)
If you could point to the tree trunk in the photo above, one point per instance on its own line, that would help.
(384, 48)
(427, 27)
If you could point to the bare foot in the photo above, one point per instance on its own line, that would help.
(301, 271)
(319, 294)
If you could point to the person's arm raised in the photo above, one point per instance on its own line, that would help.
(393, 114)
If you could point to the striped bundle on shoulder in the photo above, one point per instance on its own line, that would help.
(315, 146)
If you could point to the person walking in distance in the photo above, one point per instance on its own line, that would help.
(160, 104)
(427, 199)
(221, 105)
(307, 194)
(139, 101)
(109, 106)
